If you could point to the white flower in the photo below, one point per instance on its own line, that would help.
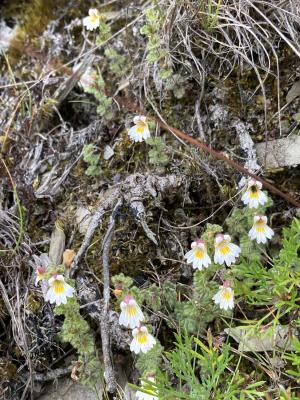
(131, 314)
(58, 290)
(224, 297)
(225, 251)
(140, 130)
(260, 231)
(198, 255)
(145, 396)
(142, 340)
(93, 20)
(254, 196)
(40, 273)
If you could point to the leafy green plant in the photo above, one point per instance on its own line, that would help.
(76, 331)
(151, 361)
(209, 15)
(176, 84)
(277, 282)
(92, 160)
(157, 154)
(104, 102)
(156, 52)
(294, 358)
(154, 22)
(104, 31)
(202, 372)
(118, 64)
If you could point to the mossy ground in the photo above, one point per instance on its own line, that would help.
(206, 195)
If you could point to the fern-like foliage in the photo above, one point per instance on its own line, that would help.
(196, 371)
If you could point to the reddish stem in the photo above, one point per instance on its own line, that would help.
(127, 103)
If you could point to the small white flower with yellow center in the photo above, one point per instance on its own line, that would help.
(254, 196)
(142, 340)
(225, 297)
(131, 314)
(59, 290)
(198, 255)
(225, 251)
(92, 21)
(146, 396)
(140, 130)
(40, 273)
(260, 231)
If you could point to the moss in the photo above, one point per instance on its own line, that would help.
(34, 17)
(34, 304)
(8, 370)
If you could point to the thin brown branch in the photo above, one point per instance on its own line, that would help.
(216, 154)
(230, 162)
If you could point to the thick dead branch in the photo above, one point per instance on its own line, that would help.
(92, 305)
(135, 189)
(51, 375)
(137, 186)
(110, 198)
(109, 373)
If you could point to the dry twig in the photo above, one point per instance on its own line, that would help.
(109, 373)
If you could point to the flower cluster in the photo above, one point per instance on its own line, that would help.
(254, 197)
(226, 252)
(131, 317)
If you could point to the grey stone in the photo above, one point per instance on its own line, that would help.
(252, 339)
(294, 92)
(67, 389)
(279, 153)
(57, 245)
(83, 219)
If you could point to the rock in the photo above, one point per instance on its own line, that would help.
(294, 92)
(253, 339)
(283, 152)
(247, 145)
(83, 219)
(57, 245)
(66, 389)
(127, 392)
(6, 35)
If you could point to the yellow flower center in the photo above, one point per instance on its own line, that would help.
(260, 226)
(199, 253)
(226, 295)
(254, 192)
(131, 311)
(224, 248)
(58, 286)
(142, 337)
(140, 127)
(94, 17)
